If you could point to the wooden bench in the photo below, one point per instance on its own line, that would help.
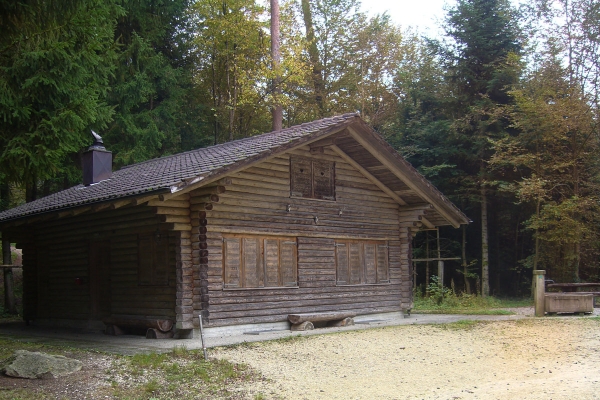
(573, 287)
(305, 322)
(157, 327)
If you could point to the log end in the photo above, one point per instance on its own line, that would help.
(303, 326)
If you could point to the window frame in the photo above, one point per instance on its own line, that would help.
(262, 272)
(362, 262)
(313, 164)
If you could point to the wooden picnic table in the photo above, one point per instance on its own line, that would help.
(572, 287)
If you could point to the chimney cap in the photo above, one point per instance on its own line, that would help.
(98, 143)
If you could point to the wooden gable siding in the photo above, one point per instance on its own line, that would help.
(256, 203)
(59, 252)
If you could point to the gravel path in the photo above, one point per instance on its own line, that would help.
(550, 358)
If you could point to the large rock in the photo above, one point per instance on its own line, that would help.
(34, 365)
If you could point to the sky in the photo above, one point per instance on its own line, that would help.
(420, 14)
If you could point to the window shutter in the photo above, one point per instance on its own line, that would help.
(382, 263)
(271, 262)
(323, 178)
(370, 263)
(232, 263)
(145, 250)
(301, 177)
(252, 272)
(289, 263)
(355, 263)
(161, 262)
(341, 260)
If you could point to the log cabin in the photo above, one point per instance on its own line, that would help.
(318, 217)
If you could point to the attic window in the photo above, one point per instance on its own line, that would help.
(312, 179)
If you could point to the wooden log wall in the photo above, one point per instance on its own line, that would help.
(257, 202)
(30, 294)
(184, 272)
(56, 266)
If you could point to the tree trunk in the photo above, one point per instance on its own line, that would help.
(440, 263)
(464, 260)
(313, 53)
(485, 266)
(536, 255)
(214, 95)
(277, 110)
(427, 262)
(31, 189)
(4, 196)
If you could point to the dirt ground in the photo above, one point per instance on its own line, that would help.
(550, 358)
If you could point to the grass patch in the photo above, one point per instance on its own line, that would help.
(8, 346)
(463, 311)
(181, 373)
(178, 374)
(467, 304)
(463, 324)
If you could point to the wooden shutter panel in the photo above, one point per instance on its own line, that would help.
(271, 258)
(382, 263)
(145, 250)
(370, 263)
(355, 262)
(253, 274)
(232, 263)
(301, 177)
(288, 263)
(161, 261)
(341, 261)
(323, 178)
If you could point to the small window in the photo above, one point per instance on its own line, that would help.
(259, 262)
(153, 259)
(312, 179)
(361, 262)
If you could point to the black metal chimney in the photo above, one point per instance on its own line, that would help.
(97, 162)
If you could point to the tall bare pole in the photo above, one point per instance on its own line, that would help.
(485, 258)
(277, 110)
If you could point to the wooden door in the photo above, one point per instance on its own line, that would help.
(99, 279)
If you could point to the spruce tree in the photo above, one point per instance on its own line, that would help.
(485, 42)
(55, 61)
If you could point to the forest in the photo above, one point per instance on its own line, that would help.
(500, 113)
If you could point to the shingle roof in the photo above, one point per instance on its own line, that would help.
(162, 173)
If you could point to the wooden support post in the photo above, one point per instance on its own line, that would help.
(441, 273)
(9, 294)
(539, 291)
(414, 274)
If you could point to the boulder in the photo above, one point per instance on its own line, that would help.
(35, 365)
